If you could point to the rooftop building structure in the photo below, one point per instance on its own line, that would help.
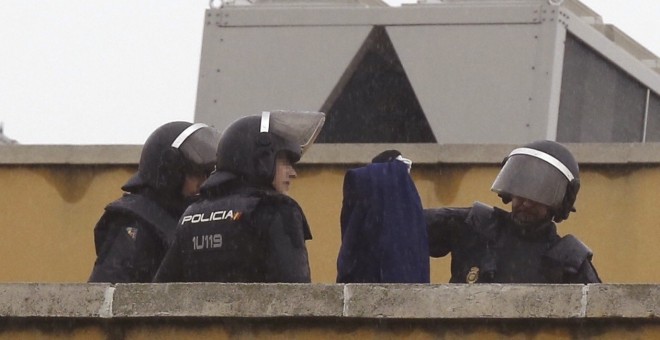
(448, 72)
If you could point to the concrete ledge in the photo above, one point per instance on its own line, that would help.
(227, 300)
(361, 301)
(320, 154)
(624, 301)
(465, 301)
(55, 300)
(70, 154)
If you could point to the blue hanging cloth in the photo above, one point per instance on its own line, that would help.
(384, 237)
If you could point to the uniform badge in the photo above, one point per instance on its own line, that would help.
(473, 275)
(132, 232)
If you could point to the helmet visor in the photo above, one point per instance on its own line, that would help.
(300, 127)
(531, 178)
(200, 146)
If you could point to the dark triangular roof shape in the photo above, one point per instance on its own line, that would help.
(374, 101)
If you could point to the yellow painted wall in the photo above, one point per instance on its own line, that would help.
(49, 212)
(48, 217)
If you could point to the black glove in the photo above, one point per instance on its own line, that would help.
(386, 156)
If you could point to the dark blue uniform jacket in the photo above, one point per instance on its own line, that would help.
(384, 236)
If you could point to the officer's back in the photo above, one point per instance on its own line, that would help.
(245, 228)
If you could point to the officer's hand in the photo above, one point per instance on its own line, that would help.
(386, 156)
(392, 155)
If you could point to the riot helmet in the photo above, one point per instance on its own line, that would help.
(172, 151)
(542, 171)
(248, 146)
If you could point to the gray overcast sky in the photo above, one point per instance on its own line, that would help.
(109, 72)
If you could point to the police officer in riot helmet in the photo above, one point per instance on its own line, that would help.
(135, 231)
(245, 228)
(541, 181)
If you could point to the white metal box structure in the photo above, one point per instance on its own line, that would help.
(453, 71)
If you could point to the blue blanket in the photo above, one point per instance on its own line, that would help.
(384, 238)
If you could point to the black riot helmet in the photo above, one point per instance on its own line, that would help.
(172, 151)
(542, 171)
(248, 146)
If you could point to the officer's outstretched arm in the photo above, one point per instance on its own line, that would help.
(443, 225)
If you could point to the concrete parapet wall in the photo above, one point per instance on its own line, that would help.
(585, 153)
(181, 310)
